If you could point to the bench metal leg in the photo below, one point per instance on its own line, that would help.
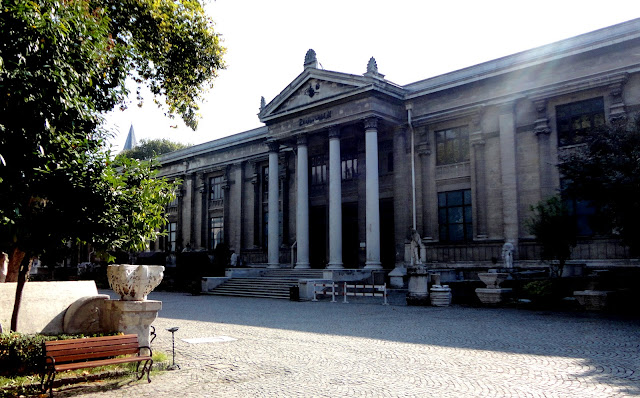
(146, 368)
(47, 382)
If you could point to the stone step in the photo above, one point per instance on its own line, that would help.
(274, 283)
(250, 294)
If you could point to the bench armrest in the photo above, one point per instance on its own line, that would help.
(49, 361)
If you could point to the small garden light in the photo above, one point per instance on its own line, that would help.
(173, 330)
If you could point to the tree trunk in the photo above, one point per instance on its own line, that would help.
(15, 261)
(23, 273)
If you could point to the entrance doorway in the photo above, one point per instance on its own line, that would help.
(387, 234)
(350, 240)
(318, 236)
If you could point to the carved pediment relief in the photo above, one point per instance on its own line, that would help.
(313, 90)
(313, 87)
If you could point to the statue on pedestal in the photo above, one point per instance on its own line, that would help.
(418, 249)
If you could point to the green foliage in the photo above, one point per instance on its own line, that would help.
(149, 149)
(555, 230)
(540, 290)
(606, 171)
(135, 205)
(62, 64)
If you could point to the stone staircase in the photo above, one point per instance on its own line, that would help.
(274, 283)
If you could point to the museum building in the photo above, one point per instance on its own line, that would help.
(346, 165)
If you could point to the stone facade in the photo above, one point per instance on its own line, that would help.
(461, 157)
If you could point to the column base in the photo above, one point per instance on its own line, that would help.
(335, 266)
(302, 266)
(271, 265)
(373, 265)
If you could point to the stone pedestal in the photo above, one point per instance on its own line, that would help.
(592, 300)
(440, 296)
(396, 277)
(492, 295)
(418, 286)
(131, 317)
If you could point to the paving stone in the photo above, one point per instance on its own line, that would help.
(324, 349)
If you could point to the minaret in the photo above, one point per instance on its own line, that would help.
(131, 141)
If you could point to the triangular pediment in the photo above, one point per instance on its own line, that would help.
(314, 87)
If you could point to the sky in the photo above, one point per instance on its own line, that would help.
(412, 40)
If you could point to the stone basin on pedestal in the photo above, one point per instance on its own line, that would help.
(133, 313)
(493, 293)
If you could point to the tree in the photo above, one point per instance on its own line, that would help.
(555, 230)
(606, 171)
(149, 149)
(62, 65)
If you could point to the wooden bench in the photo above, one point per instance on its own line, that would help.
(63, 355)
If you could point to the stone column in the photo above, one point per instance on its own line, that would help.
(480, 183)
(427, 207)
(302, 203)
(335, 200)
(508, 173)
(273, 249)
(542, 131)
(257, 204)
(203, 188)
(372, 194)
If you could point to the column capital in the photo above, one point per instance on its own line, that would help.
(617, 112)
(334, 132)
(541, 125)
(273, 145)
(371, 123)
(477, 143)
(476, 117)
(301, 139)
(423, 149)
(507, 107)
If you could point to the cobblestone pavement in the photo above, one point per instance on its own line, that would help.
(323, 349)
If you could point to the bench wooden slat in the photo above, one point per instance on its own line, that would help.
(72, 357)
(81, 348)
(92, 341)
(102, 362)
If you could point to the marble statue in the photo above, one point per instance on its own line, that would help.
(4, 265)
(507, 254)
(417, 247)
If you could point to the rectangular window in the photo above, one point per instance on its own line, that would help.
(454, 216)
(216, 231)
(583, 211)
(349, 167)
(577, 119)
(215, 190)
(318, 170)
(452, 145)
(172, 232)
